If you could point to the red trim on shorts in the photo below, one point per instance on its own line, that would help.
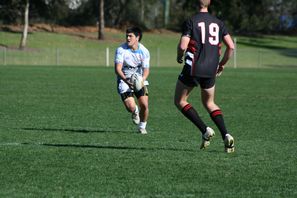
(216, 113)
(187, 107)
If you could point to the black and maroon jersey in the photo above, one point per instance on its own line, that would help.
(203, 53)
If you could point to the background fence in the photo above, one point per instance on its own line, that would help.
(160, 57)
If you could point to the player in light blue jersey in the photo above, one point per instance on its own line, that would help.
(132, 57)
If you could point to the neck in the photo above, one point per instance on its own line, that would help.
(203, 9)
(134, 47)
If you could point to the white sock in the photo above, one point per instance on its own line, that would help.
(142, 125)
(136, 109)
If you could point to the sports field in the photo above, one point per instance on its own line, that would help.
(44, 48)
(65, 133)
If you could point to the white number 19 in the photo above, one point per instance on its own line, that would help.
(213, 30)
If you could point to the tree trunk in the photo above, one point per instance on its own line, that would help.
(26, 25)
(142, 11)
(101, 20)
(166, 12)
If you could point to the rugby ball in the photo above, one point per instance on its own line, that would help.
(137, 82)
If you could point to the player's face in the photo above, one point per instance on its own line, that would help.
(132, 40)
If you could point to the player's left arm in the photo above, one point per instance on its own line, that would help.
(228, 53)
(146, 65)
(146, 73)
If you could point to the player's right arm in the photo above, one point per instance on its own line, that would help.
(184, 40)
(182, 47)
(119, 60)
(119, 72)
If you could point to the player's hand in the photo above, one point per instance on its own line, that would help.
(220, 70)
(129, 83)
(179, 60)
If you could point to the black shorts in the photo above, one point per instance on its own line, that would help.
(192, 81)
(138, 94)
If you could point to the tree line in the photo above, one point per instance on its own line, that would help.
(241, 16)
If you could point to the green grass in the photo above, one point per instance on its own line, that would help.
(267, 51)
(65, 133)
(45, 48)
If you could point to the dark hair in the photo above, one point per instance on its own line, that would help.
(136, 31)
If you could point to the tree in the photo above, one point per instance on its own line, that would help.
(141, 10)
(240, 16)
(10, 11)
(57, 12)
(166, 11)
(26, 25)
(101, 20)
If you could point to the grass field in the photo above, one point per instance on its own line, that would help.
(65, 133)
(44, 48)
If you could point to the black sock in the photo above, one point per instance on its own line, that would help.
(192, 115)
(217, 118)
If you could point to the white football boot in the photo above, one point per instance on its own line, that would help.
(206, 137)
(229, 143)
(142, 131)
(141, 128)
(135, 116)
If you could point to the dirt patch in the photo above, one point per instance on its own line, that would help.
(84, 32)
(41, 27)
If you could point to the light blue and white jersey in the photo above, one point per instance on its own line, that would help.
(132, 60)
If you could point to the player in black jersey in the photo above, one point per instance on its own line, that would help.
(200, 45)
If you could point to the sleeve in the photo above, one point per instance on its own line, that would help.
(119, 56)
(187, 28)
(224, 29)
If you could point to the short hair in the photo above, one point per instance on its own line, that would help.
(136, 31)
(204, 3)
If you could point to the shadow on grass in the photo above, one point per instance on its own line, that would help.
(78, 130)
(266, 44)
(258, 44)
(282, 66)
(289, 53)
(95, 146)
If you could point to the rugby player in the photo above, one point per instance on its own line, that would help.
(132, 57)
(200, 45)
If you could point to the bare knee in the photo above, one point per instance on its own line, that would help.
(210, 106)
(180, 103)
(130, 105)
(130, 108)
(143, 107)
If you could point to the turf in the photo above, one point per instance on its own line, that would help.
(45, 48)
(65, 133)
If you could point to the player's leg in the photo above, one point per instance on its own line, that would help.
(182, 93)
(128, 100)
(144, 110)
(207, 96)
(143, 114)
(142, 97)
(131, 106)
